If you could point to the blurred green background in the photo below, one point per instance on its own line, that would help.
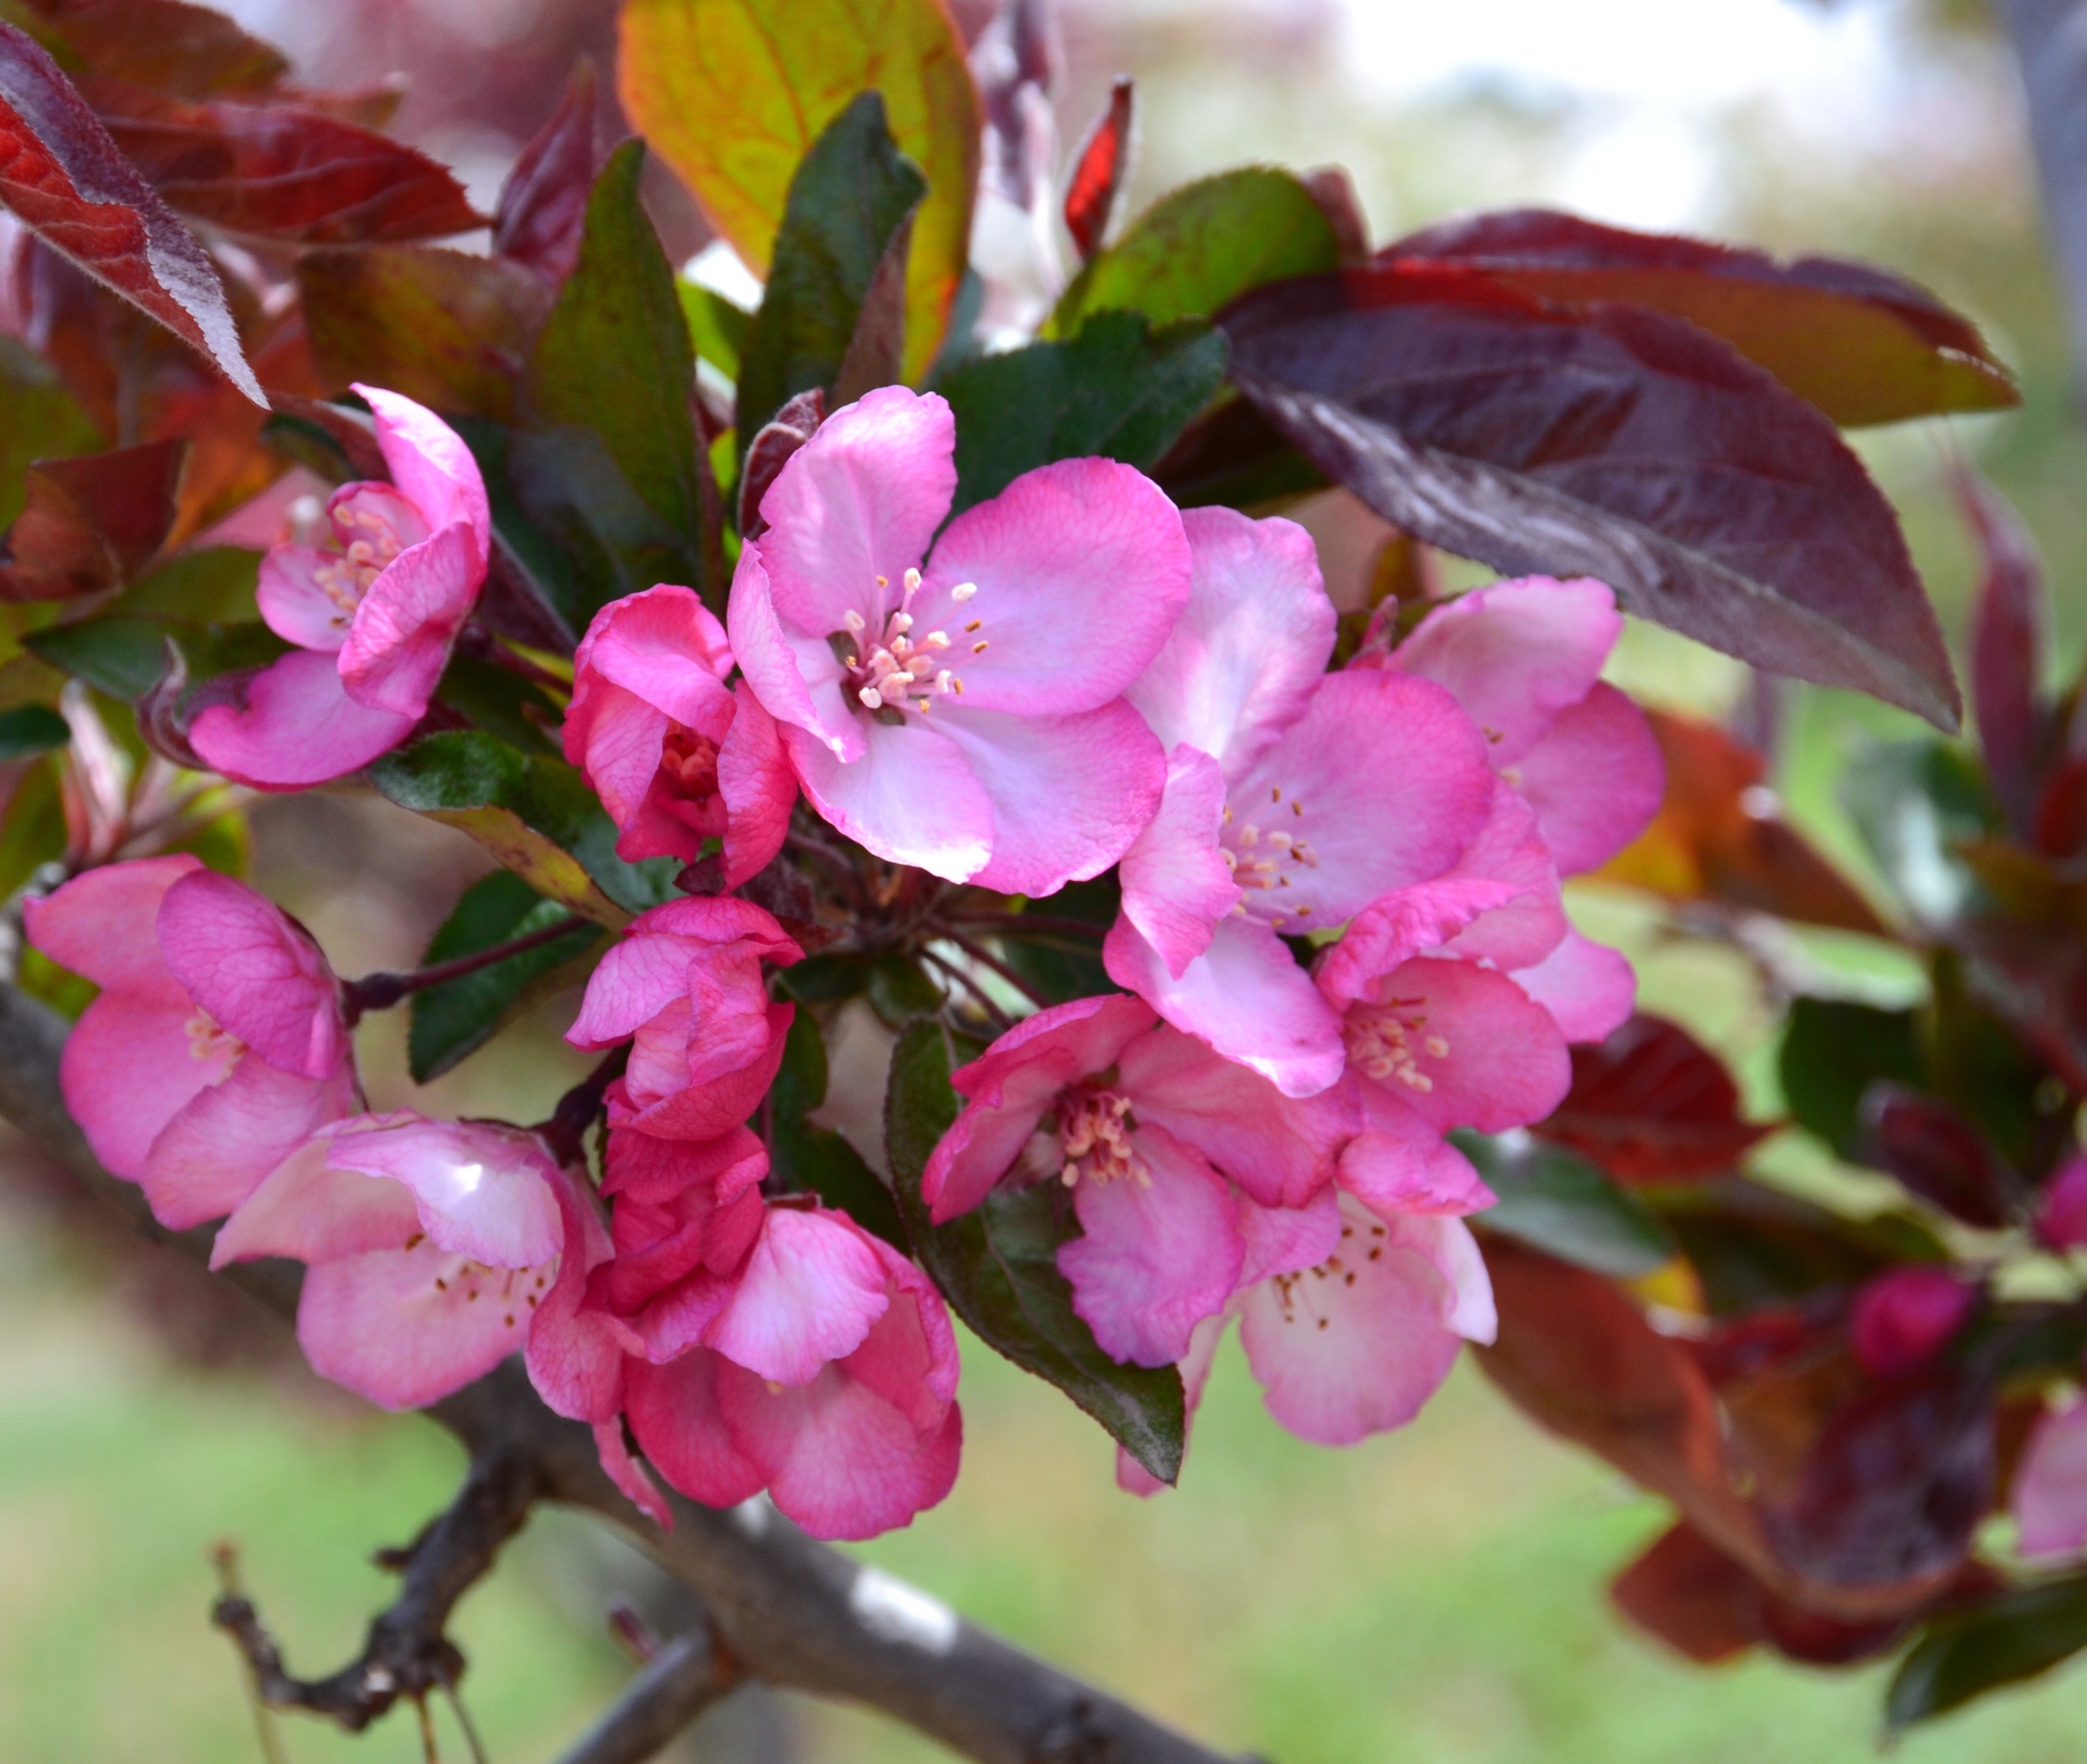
(1435, 1596)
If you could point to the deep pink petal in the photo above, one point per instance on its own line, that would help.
(294, 602)
(1516, 654)
(295, 727)
(1176, 884)
(432, 466)
(808, 1295)
(1069, 794)
(653, 1170)
(673, 1413)
(214, 1153)
(635, 980)
(1081, 569)
(1509, 848)
(483, 1190)
(1594, 780)
(909, 1357)
(1249, 646)
(797, 677)
(1158, 1252)
(132, 1064)
(2062, 1213)
(912, 797)
(760, 788)
(1588, 989)
(665, 646)
(1902, 1318)
(2050, 1495)
(1399, 1163)
(629, 1476)
(1460, 1045)
(1394, 928)
(104, 923)
(706, 1111)
(1245, 996)
(616, 739)
(259, 975)
(575, 1360)
(399, 643)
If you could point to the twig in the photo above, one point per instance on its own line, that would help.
(984, 958)
(979, 994)
(683, 1679)
(381, 990)
(1020, 925)
(566, 1130)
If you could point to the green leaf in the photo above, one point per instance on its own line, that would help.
(458, 1017)
(1565, 1205)
(607, 540)
(500, 701)
(38, 421)
(1201, 246)
(124, 655)
(2021, 1633)
(808, 1158)
(850, 206)
(1913, 802)
(527, 550)
(1062, 969)
(998, 1267)
(716, 329)
(732, 94)
(32, 826)
(212, 586)
(31, 729)
(535, 814)
(614, 358)
(1119, 389)
(899, 991)
(1833, 1050)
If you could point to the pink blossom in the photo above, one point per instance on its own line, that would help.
(373, 613)
(2050, 1495)
(216, 1044)
(964, 712)
(676, 757)
(430, 1246)
(1150, 1132)
(685, 988)
(2062, 1214)
(1294, 799)
(1906, 1316)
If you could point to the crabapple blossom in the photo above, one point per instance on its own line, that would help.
(676, 756)
(2049, 1493)
(1906, 1316)
(2062, 1213)
(373, 613)
(1294, 799)
(216, 1044)
(685, 989)
(429, 1245)
(962, 711)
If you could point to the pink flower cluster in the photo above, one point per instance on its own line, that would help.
(1341, 937)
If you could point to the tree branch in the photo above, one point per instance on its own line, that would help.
(683, 1679)
(788, 1612)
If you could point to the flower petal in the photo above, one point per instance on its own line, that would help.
(759, 785)
(2051, 1488)
(483, 1190)
(432, 466)
(673, 1413)
(104, 923)
(912, 797)
(1467, 1047)
(216, 1150)
(808, 1295)
(797, 678)
(260, 975)
(1588, 989)
(1399, 1163)
(1176, 886)
(308, 1211)
(1595, 779)
(294, 604)
(130, 1064)
(295, 727)
(400, 640)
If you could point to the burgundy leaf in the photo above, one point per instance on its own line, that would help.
(1862, 345)
(189, 51)
(281, 171)
(783, 433)
(1936, 1153)
(2007, 647)
(1100, 171)
(1616, 443)
(91, 523)
(68, 183)
(1653, 1104)
(544, 200)
(1334, 191)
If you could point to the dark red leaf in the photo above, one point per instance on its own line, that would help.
(1100, 171)
(2059, 827)
(93, 522)
(1653, 1104)
(1334, 191)
(189, 51)
(787, 430)
(1936, 1153)
(1616, 443)
(67, 181)
(1861, 344)
(282, 172)
(544, 201)
(2007, 647)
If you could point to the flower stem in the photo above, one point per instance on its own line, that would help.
(382, 990)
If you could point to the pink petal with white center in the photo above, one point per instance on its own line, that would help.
(483, 1191)
(134, 1061)
(673, 1413)
(808, 1295)
(1160, 1252)
(1595, 779)
(1276, 1148)
(1356, 1345)
(431, 464)
(262, 978)
(760, 788)
(1255, 637)
(104, 923)
(294, 602)
(628, 1474)
(308, 1211)
(1069, 794)
(1176, 884)
(2049, 1496)
(1399, 1163)
(1588, 989)
(216, 1152)
(574, 1360)
(1516, 654)
(654, 1170)
(862, 499)
(912, 797)
(1131, 1476)
(796, 675)
(1510, 849)
(1245, 996)
(1460, 1045)
(407, 1327)
(295, 727)
(400, 640)
(1012, 1084)
(1384, 777)
(1394, 928)
(1081, 569)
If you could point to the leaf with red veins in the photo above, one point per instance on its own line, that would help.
(543, 204)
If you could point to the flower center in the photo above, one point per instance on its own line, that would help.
(1298, 1293)
(367, 544)
(691, 760)
(1385, 1042)
(515, 1291)
(210, 1042)
(1266, 854)
(1094, 1139)
(896, 670)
